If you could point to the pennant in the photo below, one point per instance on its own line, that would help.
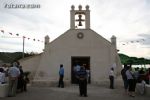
(10, 33)
(17, 34)
(132, 41)
(2, 31)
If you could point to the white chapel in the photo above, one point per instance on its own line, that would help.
(78, 45)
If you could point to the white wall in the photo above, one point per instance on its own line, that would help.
(30, 64)
(102, 55)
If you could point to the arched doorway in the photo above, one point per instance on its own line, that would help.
(80, 60)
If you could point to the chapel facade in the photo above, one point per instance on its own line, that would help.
(78, 45)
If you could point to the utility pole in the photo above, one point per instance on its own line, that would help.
(23, 46)
(22, 43)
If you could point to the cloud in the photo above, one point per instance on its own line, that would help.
(126, 19)
(123, 18)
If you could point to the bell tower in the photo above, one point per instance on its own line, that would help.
(79, 19)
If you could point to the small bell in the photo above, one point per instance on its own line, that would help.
(80, 23)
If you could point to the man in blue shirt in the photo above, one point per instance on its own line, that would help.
(82, 76)
(61, 76)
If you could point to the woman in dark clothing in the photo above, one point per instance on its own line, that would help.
(20, 79)
(124, 77)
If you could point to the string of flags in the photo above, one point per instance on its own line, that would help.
(135, 41)
(17, 34)
(38, 40)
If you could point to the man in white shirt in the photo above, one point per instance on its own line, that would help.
(131, 81)
(111, 77)
(13, 74)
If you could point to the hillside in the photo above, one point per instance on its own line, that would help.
(9, 57)
(133, 60)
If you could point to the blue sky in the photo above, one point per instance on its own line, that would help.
(128, 20)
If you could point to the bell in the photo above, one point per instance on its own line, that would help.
(80, 23)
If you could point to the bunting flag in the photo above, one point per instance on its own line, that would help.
(17, 34)
(10, 33)
(143, 39)
(2, 31)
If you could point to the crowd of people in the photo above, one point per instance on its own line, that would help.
(16, 79)
(14, 76)
(131, 76)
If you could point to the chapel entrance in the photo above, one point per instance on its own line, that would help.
(79, 61)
